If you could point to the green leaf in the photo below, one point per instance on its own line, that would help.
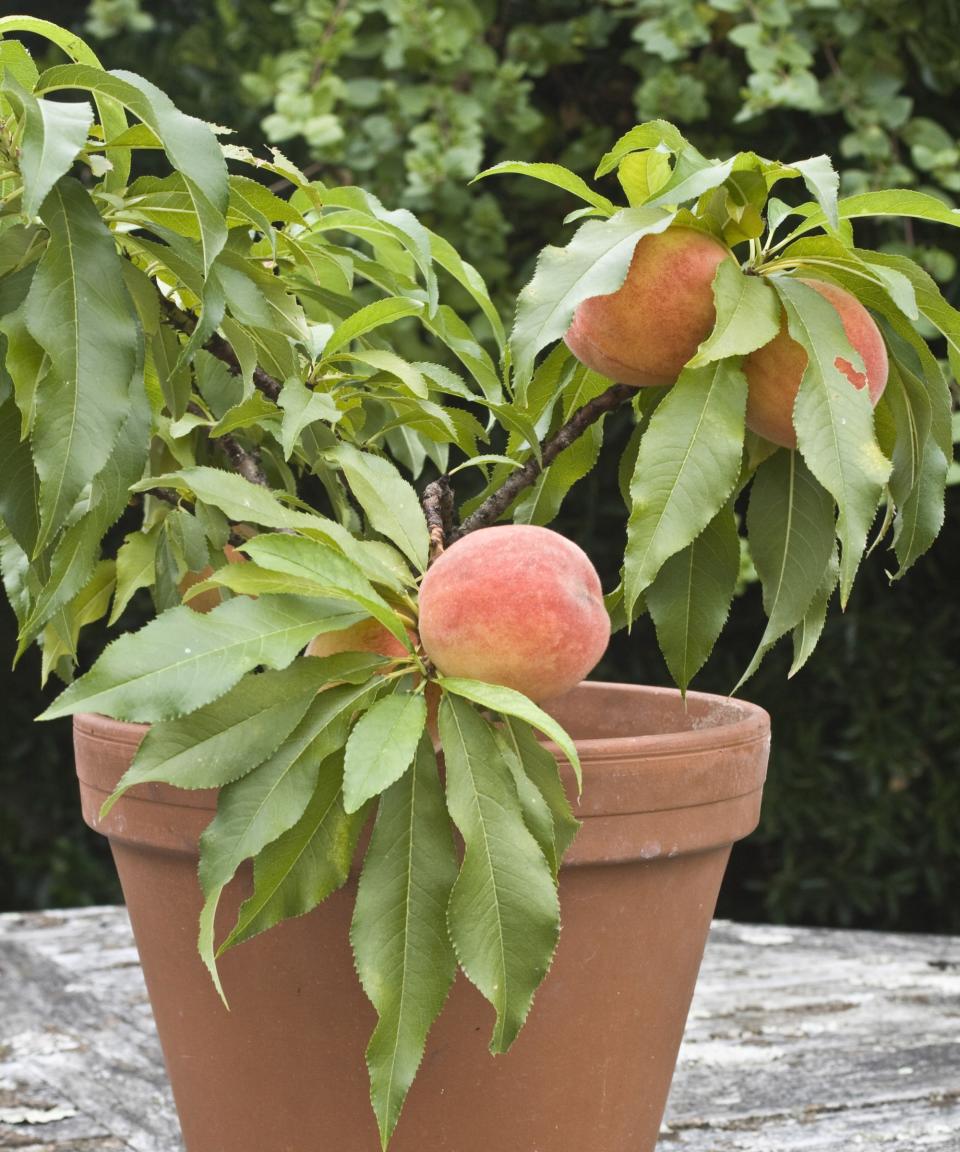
(78, 310)
(894, 202)
(808, 631)
(510, 703)
(469, 278)
(389, 501)
(54, 134)
(920, 466)
(183, 660)
(687, 466)
(78, 549)
(540, 766)
(189, 143)
(301, 408)
(367, 319)
(136, 568)
(225, 740)
(652, 134)
(504, 916)
(258, 808)
(337, 576)
(690, 598)
(790, 526)
(554, 174)
(748, 315)
(19, 487)
(823, 182)
(404, 957)
(594, 263)
(111, 114)
(642, 175)
(834, 423)
(299, 870)
(381, 747)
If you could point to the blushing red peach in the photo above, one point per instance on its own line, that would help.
(774, 371)
(516, 605)
(646, 331)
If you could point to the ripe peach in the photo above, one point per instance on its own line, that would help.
(775, 370)
(649, 328)
(515, 605)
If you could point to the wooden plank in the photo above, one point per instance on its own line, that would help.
(799, 1041)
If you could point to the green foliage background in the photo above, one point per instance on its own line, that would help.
(412, 98)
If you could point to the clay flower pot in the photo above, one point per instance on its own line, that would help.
(668, 788)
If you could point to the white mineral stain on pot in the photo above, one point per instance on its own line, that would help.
(650, 850)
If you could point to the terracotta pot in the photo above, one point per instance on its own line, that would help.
(668, 788)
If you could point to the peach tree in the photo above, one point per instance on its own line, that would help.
(197, 368)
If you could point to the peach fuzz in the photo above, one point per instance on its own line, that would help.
(649, 328)
(774, 371)
(515, 605)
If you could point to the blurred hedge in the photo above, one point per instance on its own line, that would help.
(412, 98)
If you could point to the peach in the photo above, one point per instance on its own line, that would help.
(515, 605)
(649, 328)
(774, 371)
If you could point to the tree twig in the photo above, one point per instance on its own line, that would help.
(247, 463)
(438, 508)
(498, 502)
(222, 349)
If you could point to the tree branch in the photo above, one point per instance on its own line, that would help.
(498, 502)
(438, 508)
(248, 464)
(222, 349)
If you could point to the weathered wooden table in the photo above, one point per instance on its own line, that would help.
(798, 1041)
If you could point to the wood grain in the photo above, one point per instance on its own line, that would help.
(799, 1041)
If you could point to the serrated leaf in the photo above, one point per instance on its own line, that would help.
(748, 315)
(389, 501)
(511, 703)
(223, 741)
(541, 767)
(368, 319)
(189, 143)
(78, 310)
(469, 278)
(111, 114)
(78, 549)
(183, 660)
(404, 957)
(19, 486)
(687, 465)
(554, 174)
(381, 747)
(690, 598)
(659, 134)
(834, 423)
(808, 631)
(301, 408)
(823, 183)
(504, 916)
(302, 867)
(338, 576)
(136, 568)
(594, 263)
(261, 806)
(54, 134)
(643, 174)
(254, 411)
(893, 202)
(790, 527)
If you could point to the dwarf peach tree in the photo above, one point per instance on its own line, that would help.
(195, 365)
